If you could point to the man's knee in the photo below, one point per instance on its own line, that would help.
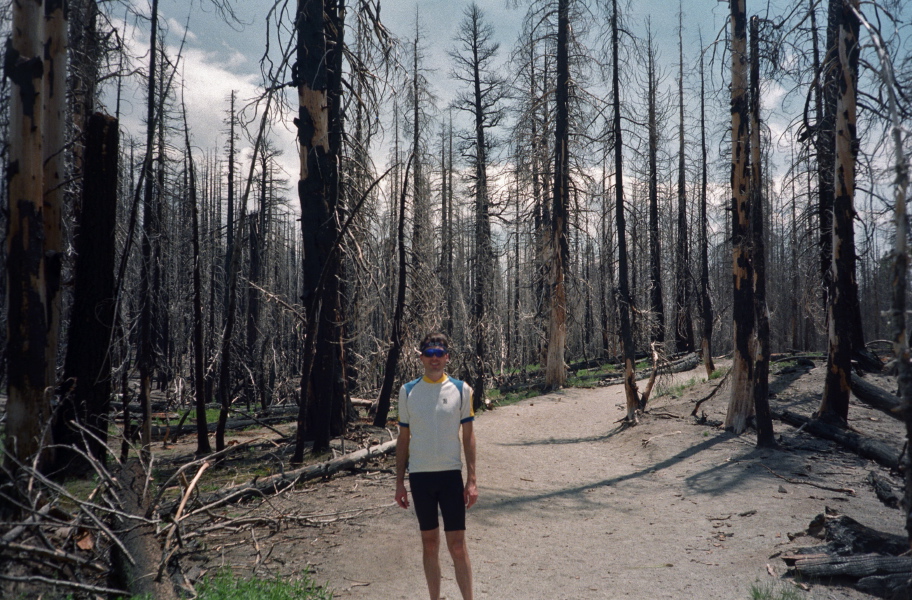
(430, 541)
(457, 546)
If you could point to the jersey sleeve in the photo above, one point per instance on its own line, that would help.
(468, 412)
(403, 408)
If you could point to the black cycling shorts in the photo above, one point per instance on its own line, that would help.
(431, 489)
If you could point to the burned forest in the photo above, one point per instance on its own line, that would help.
(664, 235)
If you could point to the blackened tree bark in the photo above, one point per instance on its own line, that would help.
(229, 316)
(54, 146)
(558, 249)
(145, 354)
(684, 334)
(760, 383)
(657, 306)
(834, 405)
(706, 310)
(199, 347)
(472, 66)
(317, 191)
(741, 406)
(624, 301)
(86, 393)
(395, 348)
(28, 406)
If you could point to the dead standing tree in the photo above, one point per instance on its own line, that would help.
(29, 276)
(842, 297)
(740, 407)
(624, 300)
(558, 249)
(319, 219)
(760, 382)
(472, 60)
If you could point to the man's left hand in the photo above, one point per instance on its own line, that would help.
(470, 494)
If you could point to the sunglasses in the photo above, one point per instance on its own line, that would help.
(434, 352)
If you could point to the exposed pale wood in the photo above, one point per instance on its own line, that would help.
(138, 570)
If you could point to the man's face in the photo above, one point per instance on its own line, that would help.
(435, 358)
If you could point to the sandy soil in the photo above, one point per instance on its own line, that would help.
(572, 506)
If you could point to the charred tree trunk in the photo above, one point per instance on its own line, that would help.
(655, 253)
(706, 310)
(395, 349)
(740, 407)
(684, 334)
(28, 406)
(228, 317)
(146, 352)
(317, 191)
(760, 383)
(86, 394)
(199, 348)
(834, 405)
(558, 249)
(624, 301)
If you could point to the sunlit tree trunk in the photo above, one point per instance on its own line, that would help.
(741, 406)
(28, 406)
(558, 249)
(834, 405)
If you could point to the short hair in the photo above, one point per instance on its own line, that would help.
(436, 338)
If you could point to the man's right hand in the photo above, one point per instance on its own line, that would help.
(401, 495)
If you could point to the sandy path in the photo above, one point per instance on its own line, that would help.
(573, 507)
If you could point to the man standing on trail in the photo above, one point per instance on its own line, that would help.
(431, 411)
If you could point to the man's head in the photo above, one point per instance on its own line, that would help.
(435, 353)
(435, 339)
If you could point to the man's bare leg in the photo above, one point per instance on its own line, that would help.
(459, 551)
(430, 544)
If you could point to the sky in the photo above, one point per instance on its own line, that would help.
(219, 58)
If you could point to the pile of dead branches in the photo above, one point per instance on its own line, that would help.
(125, 533)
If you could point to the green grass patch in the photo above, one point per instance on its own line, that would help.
(224, 585)
(500, 399)
(774, 591)
(717, 374)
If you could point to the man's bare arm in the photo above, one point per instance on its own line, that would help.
(468, 447)
(402, 452)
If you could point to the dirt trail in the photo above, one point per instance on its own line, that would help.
(574, 507)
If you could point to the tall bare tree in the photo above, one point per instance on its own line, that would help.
(657, 305)
(834, 405)
(28, 339)
(741, 406)
(624, 298)
(760, 383)
(473, 66)
(558, 248)
(706, 310)
(684, 335)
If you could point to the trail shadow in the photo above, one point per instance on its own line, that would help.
(574, 440)
(689, 452)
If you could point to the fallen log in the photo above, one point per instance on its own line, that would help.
(860, 444)
(279, 482)
(136, 564)
(857, 565)
(690, 361)
(877, 397)
(884, 491)
(896, 586)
